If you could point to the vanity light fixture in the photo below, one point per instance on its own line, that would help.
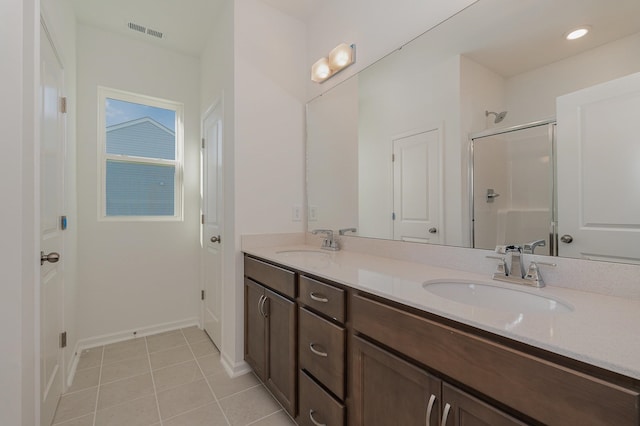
(339, 58)
(577, 33)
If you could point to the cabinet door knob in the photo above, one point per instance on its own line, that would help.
(433, 230)
(317, 352)
(314, 420)
(432, 400)
(318, 297)
(445, 414)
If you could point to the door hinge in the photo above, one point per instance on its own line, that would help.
(63, 339)
(63, 222)
(202, 219)
(393, 158)
(202, 295)
(202, 143)
(393, 216)
(63, 104)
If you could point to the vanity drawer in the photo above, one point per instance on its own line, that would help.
(279, 279)
(317, 406)
(321, 350)
(539, 388)
(324, 298)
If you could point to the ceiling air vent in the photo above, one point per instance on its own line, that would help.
(144, 30)
(137, 27)
(154, 33)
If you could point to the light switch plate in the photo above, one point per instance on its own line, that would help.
(313, 213)
(296, 213)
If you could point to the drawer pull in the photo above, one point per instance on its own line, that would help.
(314, 420)
(317, 352)
(432, 400)
(445, 414)
(318, 297)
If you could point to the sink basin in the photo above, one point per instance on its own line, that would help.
(494, 297)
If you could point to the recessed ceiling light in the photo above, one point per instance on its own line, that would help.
(577, 33)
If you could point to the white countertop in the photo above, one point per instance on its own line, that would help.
(601, 330)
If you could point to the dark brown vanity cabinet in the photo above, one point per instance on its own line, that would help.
(335, 356)
(388, 390)
(321, 353)
(270, 329)
(527, 385)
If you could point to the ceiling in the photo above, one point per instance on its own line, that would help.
(505, 35)
(185, 24)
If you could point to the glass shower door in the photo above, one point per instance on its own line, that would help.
(513, 187)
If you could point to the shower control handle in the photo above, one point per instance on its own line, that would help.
(567, 239)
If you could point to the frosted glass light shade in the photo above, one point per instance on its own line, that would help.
(341, 56)
(321, 70)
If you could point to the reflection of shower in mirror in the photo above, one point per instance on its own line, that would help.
(499, 116)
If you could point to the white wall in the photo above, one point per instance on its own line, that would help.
(375, 27)
(135, 274)
(270, 77)
(61, 23)
(332, 176)
(532, 95)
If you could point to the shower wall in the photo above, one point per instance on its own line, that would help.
(518, 166)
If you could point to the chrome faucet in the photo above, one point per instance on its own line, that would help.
(329, 243)
(345, 230)
(516, 266)
(513, 272)
(531, 247)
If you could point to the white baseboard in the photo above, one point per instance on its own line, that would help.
(234, 369)
(121, 336)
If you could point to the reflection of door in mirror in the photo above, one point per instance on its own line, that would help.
(416, 188)
(599, 189)
(517, 165)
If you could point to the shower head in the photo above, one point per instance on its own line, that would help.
(499, 116)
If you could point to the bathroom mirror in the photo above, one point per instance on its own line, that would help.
(388, 150)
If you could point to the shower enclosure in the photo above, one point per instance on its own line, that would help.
(512, 181)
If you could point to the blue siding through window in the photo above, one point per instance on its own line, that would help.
(142, 138)
(135, 189)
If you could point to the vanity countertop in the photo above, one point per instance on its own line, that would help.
(601, 330)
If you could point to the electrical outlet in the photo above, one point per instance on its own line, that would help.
(296, 213)
(313, 213)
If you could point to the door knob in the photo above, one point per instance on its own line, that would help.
(52, 257)
(433, 230)
(216, 239)
(566, 239)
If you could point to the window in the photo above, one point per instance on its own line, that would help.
(140, 157)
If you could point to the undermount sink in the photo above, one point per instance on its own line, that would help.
(495, 297)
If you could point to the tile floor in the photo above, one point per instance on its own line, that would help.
(168, 379)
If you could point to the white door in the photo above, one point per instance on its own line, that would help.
(51, 208)
(416, 188)
(599, 171)
(212, 238)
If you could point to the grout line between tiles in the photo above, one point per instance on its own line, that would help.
(215, 398)
(241, 391)
(262, 418)
(153, 380)
(95, 408)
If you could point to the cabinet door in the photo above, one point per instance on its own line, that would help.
(462, 409)
(281, 349)
(389, 391)
(254, 328)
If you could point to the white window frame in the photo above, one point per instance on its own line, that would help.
(105, 93)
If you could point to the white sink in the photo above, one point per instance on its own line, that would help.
(495, 297)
